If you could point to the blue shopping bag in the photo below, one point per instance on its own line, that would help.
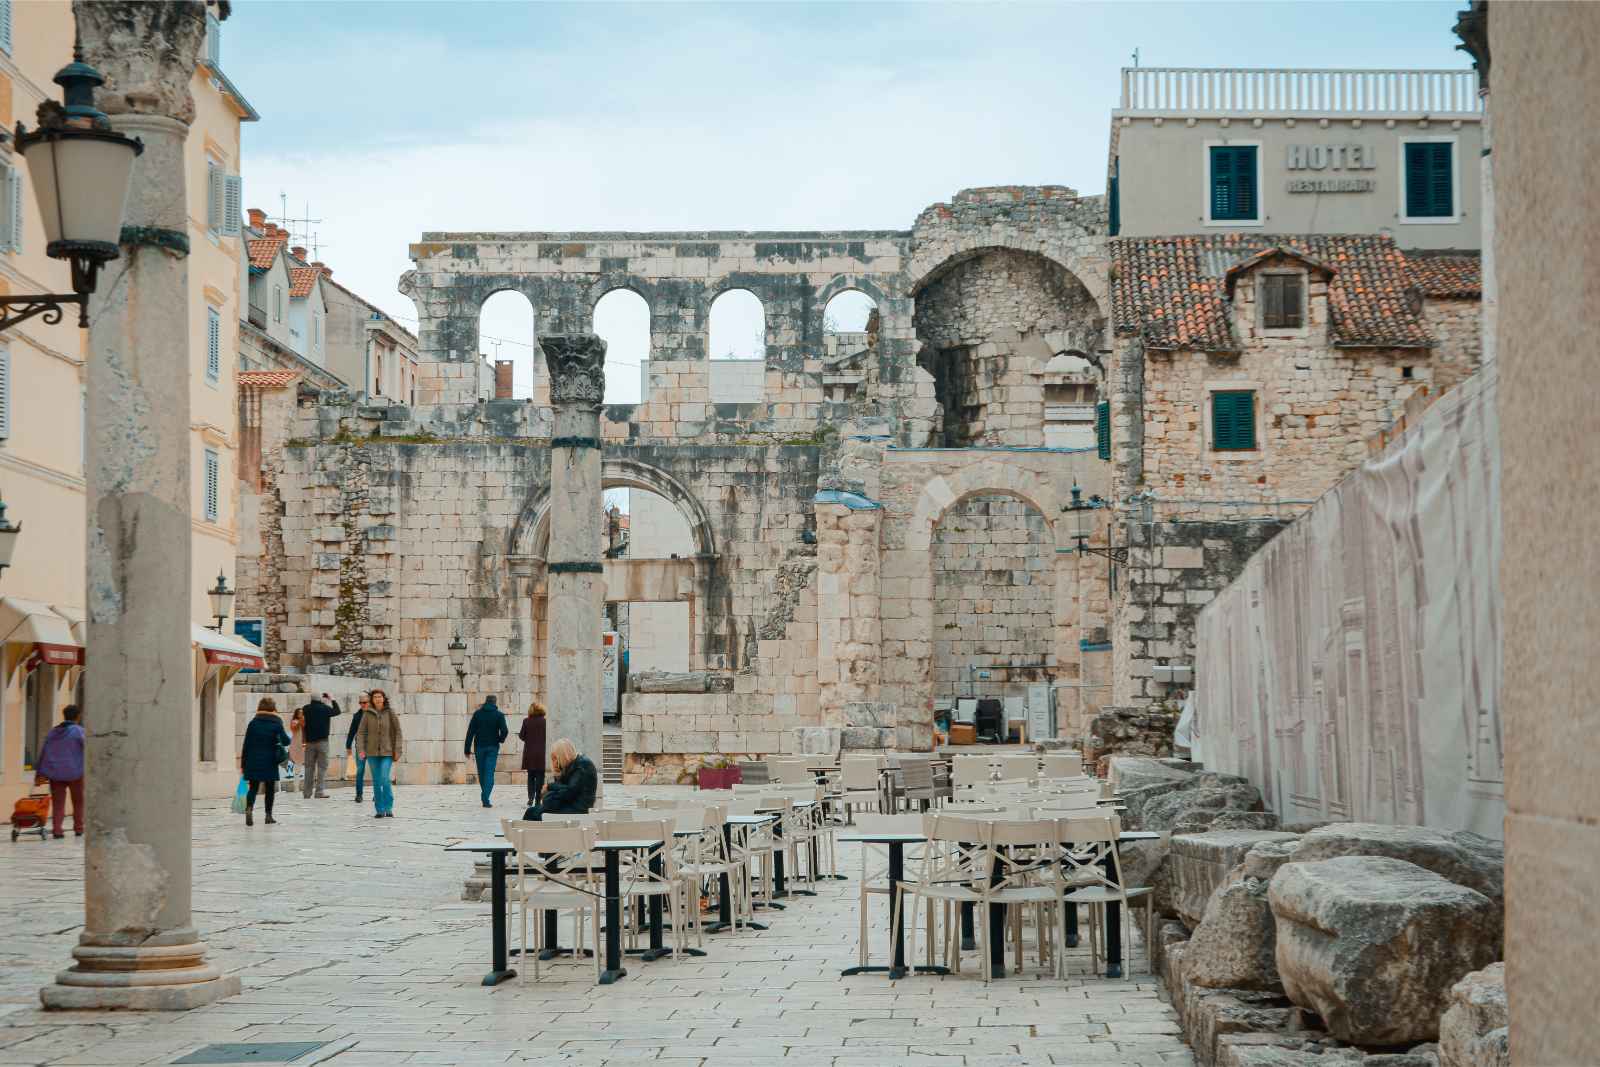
(239, 795)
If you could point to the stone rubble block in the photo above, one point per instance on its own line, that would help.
(1201, 863)
(1373, 945)
(1235, 945)
(1475, 1030)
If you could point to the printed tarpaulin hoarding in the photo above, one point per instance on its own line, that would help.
(1352, 670)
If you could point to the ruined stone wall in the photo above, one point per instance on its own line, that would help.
(993, 596)
(1457, 327)
(265, 418)
(988, 326)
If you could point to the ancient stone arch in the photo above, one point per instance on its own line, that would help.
(530, 537)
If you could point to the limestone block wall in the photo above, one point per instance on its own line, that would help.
(849, 623)
(994, 604)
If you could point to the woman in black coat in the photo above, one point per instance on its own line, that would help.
(258, 758)
(577, 781)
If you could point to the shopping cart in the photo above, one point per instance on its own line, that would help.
(29, 815)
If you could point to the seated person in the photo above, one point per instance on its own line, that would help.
(572, 793)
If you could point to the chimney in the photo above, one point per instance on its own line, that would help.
(258, 219)
(299, 252)
(323, 268)
(502, 379)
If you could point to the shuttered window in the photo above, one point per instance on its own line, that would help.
(213, 344)
(277, 303)
(213, 477)
(5, 392)
(1233, 421)
(1233, 183)
(1430, 179)
(5, 26)
(213, 42)
(232, 199)
(1102, 429)
(10, 209)
(1282, 301)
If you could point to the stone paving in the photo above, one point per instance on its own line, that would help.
(350, 931)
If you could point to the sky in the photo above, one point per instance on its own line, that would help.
(383, 120)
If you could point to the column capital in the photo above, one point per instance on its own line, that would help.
(577, 365)
(147, 53)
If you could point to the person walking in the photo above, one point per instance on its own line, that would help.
(317, 716)
(264, 741)
(573, 791)
(362, 706)
(380, 738)
(60, 763)
(487, 731)
(532, 736)
(297, 745)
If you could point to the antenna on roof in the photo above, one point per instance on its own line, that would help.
(299, 229)
(1136, 58)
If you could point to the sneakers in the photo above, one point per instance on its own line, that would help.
(322, 796)
(487, 804)
(358, 798)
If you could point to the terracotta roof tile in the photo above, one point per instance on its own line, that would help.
(264, 249)
(301, 279)
(1171, 291)
(267, 379)
(1446, 275)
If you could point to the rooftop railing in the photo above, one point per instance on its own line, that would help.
(1236, 91)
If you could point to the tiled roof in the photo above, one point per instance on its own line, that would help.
(267, 379)
(301, 279)
(1171, 291)
(264, 249)
(1446, 274)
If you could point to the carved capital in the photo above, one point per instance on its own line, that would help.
(577, 369)
(147, 53)
(1472, 26)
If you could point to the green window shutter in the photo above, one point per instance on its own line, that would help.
(1233, 183)
(1102, 429)
(1430, 179)
(1233, 421)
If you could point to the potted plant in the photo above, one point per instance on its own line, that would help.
(718, 773)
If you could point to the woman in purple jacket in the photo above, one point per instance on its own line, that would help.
(61, 764)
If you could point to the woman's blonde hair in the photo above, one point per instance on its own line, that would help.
(536, 708)
(267, 704)
(562, 753)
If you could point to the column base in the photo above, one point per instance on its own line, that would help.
(164, 978)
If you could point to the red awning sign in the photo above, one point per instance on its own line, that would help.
(56, 655)
(234, 659)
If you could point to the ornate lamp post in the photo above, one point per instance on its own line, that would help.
(221, 600)
(458, 658)
(81, 169)
(8, 537)
(1082, 513)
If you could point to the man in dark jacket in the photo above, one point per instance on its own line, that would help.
(350, 743)
(317, 716)
(573, 791)
(485, 732)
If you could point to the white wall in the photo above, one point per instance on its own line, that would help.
(658, 634)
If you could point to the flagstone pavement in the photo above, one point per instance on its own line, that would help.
(350, 931)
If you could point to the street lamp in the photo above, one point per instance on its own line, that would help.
(221, 600)
(1083, 527)
(80, 169)
(8, 537)
(458, 658)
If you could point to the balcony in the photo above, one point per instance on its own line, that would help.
(257, 316)
(1267, 93)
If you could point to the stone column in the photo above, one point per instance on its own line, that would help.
(575, 576)
(139, 949)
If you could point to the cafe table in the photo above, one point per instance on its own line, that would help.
(497, 851)
(897, 872)
(612, 850)
(724, 902)
(779, 887)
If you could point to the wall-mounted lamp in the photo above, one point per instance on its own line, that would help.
(458, 658)
(221, 601)
(8, 537)
(1083, 526)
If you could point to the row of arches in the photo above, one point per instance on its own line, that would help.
(736, 331)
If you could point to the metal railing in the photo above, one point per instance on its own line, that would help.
(1228, 90)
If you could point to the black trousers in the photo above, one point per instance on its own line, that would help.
(535, 785)
(250, 797)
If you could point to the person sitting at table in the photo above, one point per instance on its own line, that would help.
(572, 793)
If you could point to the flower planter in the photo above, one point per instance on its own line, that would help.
(718, 777)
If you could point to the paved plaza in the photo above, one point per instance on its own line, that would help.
(351, 931)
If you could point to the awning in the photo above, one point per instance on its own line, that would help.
(32, 625)
(227, 650)
(78, 621)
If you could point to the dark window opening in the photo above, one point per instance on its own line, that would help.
(958, 390)
(1282, 301)
(1407, 372)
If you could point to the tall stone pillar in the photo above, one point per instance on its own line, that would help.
(139, 949)
(575, 576)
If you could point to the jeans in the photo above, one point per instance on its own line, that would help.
(58, 804)
(487, 755)
(382, 791)
(316, 780)
(361, 774)
(535, 785)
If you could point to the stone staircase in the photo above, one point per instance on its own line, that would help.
(611, 757)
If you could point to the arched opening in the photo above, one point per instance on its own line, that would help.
(506, 335)
(737, 345)
(622, 320)
(849, 333)
(993, 557)
(989, 324)
(654, 633)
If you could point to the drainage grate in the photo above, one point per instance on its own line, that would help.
(252, 1052)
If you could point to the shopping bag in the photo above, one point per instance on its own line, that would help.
(286, 771)
(239, 795)
(349, 766)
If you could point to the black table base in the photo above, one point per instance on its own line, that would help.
(897, 969)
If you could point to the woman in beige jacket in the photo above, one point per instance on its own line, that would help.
(382, 743)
